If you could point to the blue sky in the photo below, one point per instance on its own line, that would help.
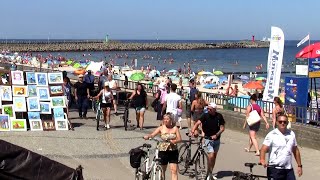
(162, 19)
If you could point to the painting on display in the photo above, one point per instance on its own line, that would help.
(61, 124)
(9, 110)
(31, 78)
(21, 91)
(18, 125)
(32, 91)
(6, 93)
(19, 104)
(55, 78)
(17, 77)
(33, 104)
(42, 79)
(56, 90)
(58, 113)
(45, 108)
(36, 125)
(43, 93)
(48, 125)
(33, 115)
(4, 122)
(58, 101)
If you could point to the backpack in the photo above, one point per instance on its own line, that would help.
(193, 92)
(155, 102)
(136, 155)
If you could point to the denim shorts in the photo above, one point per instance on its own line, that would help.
(212, 145)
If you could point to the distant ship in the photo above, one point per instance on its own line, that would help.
(264, 39)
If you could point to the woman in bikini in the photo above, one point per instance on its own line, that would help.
(278, 109)
(197, 106)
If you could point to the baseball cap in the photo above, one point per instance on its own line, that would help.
(212, 105)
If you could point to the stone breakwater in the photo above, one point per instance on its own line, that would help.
(119, 46)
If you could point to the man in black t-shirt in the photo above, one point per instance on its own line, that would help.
(212, 126)
(81, 92)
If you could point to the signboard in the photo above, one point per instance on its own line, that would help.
(302, 67)
(296, 89)
(314, 68)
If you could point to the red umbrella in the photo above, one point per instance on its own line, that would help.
(253, 85)
(311, 51)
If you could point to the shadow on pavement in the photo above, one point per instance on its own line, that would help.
(77, 124)
(222, 174)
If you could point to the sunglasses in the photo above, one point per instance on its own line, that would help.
(283, 122)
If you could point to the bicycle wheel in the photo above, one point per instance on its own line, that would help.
(125, 119)
(183, 160)
(157, 173)
(201, 166)
(141, 171)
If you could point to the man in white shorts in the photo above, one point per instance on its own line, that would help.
(172, 102)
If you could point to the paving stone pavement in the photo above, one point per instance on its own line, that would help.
(104, 154)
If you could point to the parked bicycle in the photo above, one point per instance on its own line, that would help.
(125, 116)
(199, 159)
(237, 175)
(146, 168)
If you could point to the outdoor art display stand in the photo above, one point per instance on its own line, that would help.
(34, 100)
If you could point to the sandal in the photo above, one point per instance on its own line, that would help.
(246, 149)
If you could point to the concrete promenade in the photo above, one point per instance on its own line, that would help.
(104, 154)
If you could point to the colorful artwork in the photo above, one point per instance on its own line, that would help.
(4, 122)
(55, 78)
(31, 78)
(45, 108)
(18, 125)
(20, 91)
(48, 125)
(19, 104)
(58, 113)
(43, 93)
(36, 125)
(33, 104)
(6, 93)
(33, 115)
(58, 101)
(9, 110)
(32, 91)
(17, 77)
(56, 90)
(61, 124)
(41, 79)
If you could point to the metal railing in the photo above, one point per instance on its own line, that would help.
(304, 115)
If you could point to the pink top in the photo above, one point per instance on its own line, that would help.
(257, 108)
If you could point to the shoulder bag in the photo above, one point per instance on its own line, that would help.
(254, 117)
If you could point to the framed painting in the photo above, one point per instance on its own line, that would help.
(31, 78)
(33, 104)
(55, 78)
(58, 113)
(43, 93)
(32, 91)
(33, 115)
(17, 77)
(58, 101)
(56, 90)
(6, 93)
(48, 125)
(21, 91)
(19, 104)
(42, 79)
(18, 125)
(4, 122)
(9, 110)
(36, 125)
(61, 124)
(45, 108)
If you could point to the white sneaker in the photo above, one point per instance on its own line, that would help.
(108, 126)
(213, 177)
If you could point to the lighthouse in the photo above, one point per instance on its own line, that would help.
(252, 38)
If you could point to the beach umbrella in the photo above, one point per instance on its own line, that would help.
(223, 79)
(70, 61)
(218, 73)
(172, 71)
(261, 78)
(209, 86)
(77, 65)
(253, 85)
(214, 78)
(244, 77)
(242, 101)
(311, 51)
(204, 73)
(137, 76)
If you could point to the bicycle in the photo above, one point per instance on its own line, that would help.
(150, 170)
(199, 159)
(125, 116)
(98, 111)
(237, 175)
